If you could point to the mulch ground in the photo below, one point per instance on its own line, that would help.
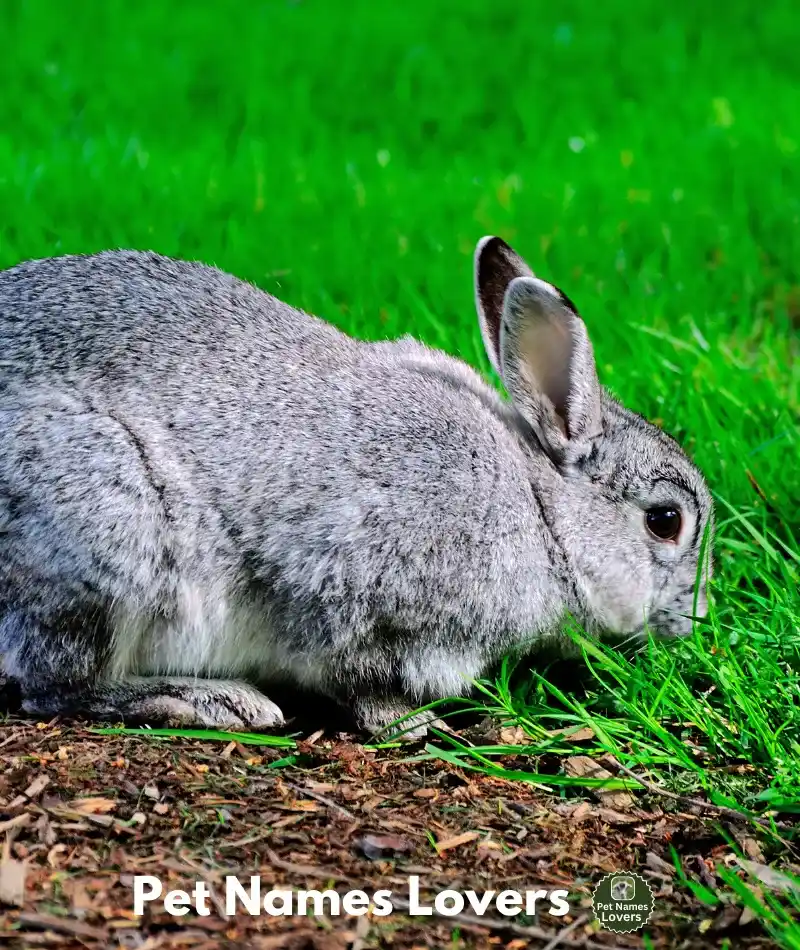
(81, 814)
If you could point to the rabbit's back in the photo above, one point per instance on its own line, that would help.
(201, 367)
(123, 320)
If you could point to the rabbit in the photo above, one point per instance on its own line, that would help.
(204, 491)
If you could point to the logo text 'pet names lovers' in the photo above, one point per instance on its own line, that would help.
(249, 896)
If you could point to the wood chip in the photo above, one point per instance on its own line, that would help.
(20, 821)
(655, 863)
(229, 749)
(37, 786)
(456, 841)
(12, 882)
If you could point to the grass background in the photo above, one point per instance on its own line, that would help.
(347, 158)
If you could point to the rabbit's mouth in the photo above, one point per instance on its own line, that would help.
(663, 624)
(667, 624)
(680, 618)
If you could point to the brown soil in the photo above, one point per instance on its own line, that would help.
(81, 814)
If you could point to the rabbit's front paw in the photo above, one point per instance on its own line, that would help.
(380, 718)
(218, 704)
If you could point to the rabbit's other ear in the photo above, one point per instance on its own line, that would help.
(548, 367)
(496, 265)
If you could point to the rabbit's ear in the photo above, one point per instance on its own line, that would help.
(496, 265)
(547, 365)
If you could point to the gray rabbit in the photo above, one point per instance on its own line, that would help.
(204, 490)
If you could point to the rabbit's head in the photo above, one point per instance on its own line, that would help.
(626, 505)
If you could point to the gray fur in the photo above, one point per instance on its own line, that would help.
(201, 487)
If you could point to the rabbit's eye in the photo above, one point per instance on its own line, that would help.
(663, 523)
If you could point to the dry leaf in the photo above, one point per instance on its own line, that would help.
(613, 817)
(580, 735)
(305, 804)
(322, 788)
(350, 793)
(752, 849)
(299, 940)
(377, 847)
(584, 766)
(581, 811)
(93, 806)
(772, 878)
(514, 735)
(61, 925)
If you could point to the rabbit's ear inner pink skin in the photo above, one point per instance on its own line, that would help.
(540, 347)
(496, 265)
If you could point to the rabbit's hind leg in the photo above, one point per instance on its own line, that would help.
(59, 671)
(218, 704)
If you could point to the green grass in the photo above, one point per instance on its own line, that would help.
(643, 157)
(207, 735)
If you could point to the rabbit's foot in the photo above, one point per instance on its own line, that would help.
(379, 716)
(219, 704)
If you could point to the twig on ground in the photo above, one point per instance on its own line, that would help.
(699, 803)
(61, 925)
(306, 870)
(562, 935)
(322, 799)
